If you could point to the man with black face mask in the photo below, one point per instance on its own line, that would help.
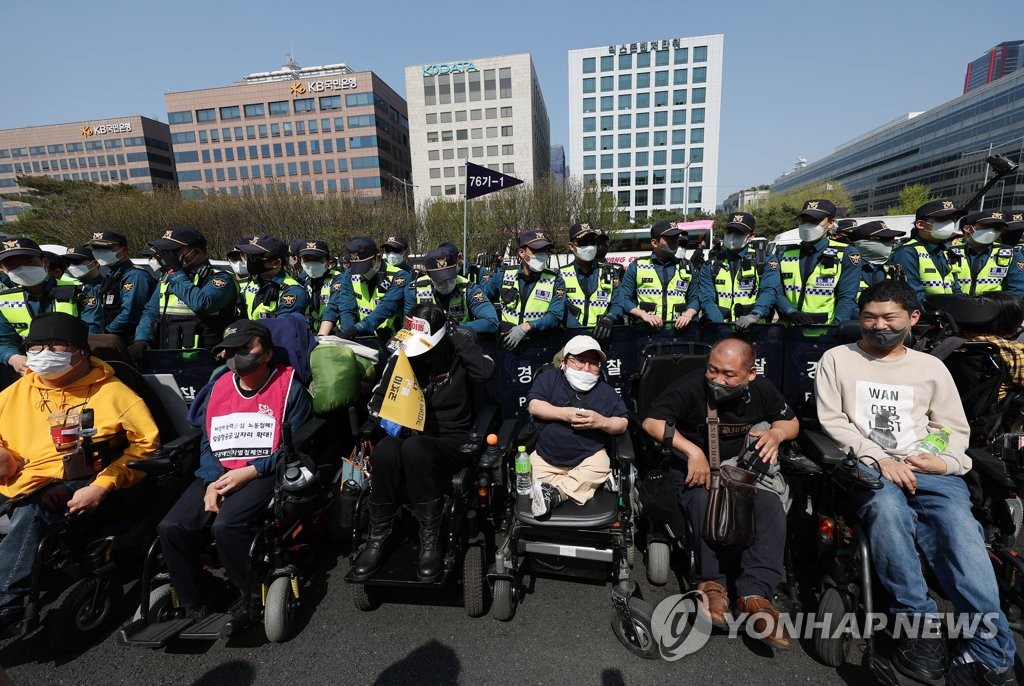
(463, 300)
(657, 290)
(986, 265)
(925, 259)
(271, 291)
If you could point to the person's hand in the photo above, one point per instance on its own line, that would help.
(581, 420)
(515, 336)
(767, 445)
(349, 334)
(86, 499)
(603, 330)
(19, 363)
(9, 465)
(682, 321)
(800, 318)
(698, 470)
(325, 329)
(212, 499)
(233, 479)
(925, 463)
(169, 260)
(746, 321)
(137, 351)
(899, 473)
(652, 320)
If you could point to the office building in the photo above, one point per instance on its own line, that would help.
(746, 201)
(644, 122)
(558, 163)
(300, 130)
(1001, 60)
(487, 110)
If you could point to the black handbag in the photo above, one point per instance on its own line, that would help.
(729, 519)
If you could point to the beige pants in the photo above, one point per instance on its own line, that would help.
(577, 484)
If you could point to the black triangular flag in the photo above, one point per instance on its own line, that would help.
(481, 181)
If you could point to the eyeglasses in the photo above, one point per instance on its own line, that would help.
(579, 363)
(52, 346)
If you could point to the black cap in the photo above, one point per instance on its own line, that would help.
(845, 225)
(875, 230)
(994, 219)
(177, 236)
(818, 209)
(581, 230)
(55, 261)
(452, 248)
(1014, 219)
(534, 239)
(361, 252)
(240, 333)
(107, 239)
(665, 228)
(295, 247)
(315, 249)
(13, 247)
(396, 242)
(58, 326)
(264, 246)
(79, 253)
(441, 264)
(937, 209)
(742, 221)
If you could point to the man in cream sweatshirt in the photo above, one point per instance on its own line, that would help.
(878, 398)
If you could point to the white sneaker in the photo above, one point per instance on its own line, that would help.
(537, 504)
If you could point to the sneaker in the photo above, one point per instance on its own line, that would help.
(243, 616)
(545, 498)
(978, 674)
(196, 613)
(921, 659)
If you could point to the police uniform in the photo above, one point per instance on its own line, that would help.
(125, 290)
(984, 268)
(731, 285)
(89, 304)
(467, 303)
(536, 298)
(361, 304)
(590, 293)
(927, 265)
(660, 285)
(318, 288)
(870, 239)
(282, 294)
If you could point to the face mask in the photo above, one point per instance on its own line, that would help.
(154, 264)
(943, 230)
(985, 236)
(105, 257)
(49, 364)
(394, 258)
(77, 271)
(875, 252)
(239, 268)
(445, 287)
(370, 273)
(884, 338)
(810, 232)
(734, 241)
(539, 262)
(580, 380)
(587, 253)
(27, 276)
(602, 250)
(680, 253)
(242, 364)
(667, 250)
(722, 392)
(314, 270)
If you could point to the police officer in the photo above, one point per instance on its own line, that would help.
(34, 293)
(315, 257)
(657, 289)
(271, 291)
(924, 258)
(194, 300)
(236, 260)
(591, 296)
(986, 266)
(730, 288)
(126, 288)
(1014, 227)
(464, 300)
(843, 229)
(617, 270)
(820, 277)
(396, 252)
(368, 297)
(875, 242)
(531, 297)
(85, 270)
(294, 261)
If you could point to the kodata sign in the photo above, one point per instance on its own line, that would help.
(450, 68)
(100, 129)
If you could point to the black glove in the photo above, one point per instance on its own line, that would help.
(169, 260)
(603, 330)
(137, 351)
(801, 318)
(349, 334)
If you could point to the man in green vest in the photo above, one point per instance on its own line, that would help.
(315, 256)
(396, 252)
(34, 293)
(272, 291)
(591, 293)
(443, 285)
(656, 290)
(368, 297)
(125, 289)
(531, 297)
(987, 264)
(927, 264)
(84, 269)
(875, 241)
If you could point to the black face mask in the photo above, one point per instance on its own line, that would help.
(243, 363)
(723, 392)
(884, 338)
(602, 250)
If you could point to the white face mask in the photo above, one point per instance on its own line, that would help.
(539, 262)
(445, 287)
(314, 270)
(985, 236)
(680, 253)
(49, 364)
(394, 258)
(77, 271)
(154, 264)
(944, 230)
(239, 269)
(587, 253)
(105, 257)
(27, 276)
(580, 380)
(810, 232)
(875, 252)
(734, 241)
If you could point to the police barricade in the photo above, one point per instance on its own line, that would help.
(805, 346)
(191, 369)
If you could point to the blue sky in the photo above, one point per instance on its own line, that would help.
(800, 78)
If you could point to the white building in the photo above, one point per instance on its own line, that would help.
(488, 110)
(644, 122)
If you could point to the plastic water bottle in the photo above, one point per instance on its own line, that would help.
(933, 443)
(524, 472)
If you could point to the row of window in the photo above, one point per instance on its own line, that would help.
(266, 151)
(119, 159)
(472, 86)
(467, 134)
(274, 172)
(642, 60)
(274, 130)
(642, 119)
(113, 176)
(474, 115)
(318, 186)
(79, 146)
(642, 139)
(641, 101)
(464, 153)
(639, 198)
(641, 159)
(653, 177)
(275, 108)
(257, 171)
(643, 80)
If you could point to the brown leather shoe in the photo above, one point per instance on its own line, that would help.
(765, 619)
(716, 607)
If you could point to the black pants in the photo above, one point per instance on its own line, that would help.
(411, 469)
(762, 563)
(182, 539)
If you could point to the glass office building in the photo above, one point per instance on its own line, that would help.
(944, 149)
(1001, 60)
(644, 122)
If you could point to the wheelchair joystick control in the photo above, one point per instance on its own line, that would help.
(848, 475)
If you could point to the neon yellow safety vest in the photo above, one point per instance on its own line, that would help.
(592, 307)
(818, 295)
(990, 277)
(367, 301)
(668, 301)
(318, 301)
(932, 281)
(731, 290)
(458, 304)
(176, 318)
(536, 306)
(263, 310)
(15, 310)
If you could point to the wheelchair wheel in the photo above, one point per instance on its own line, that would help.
(365, 597)
(644, 646)
(503, 605)
(473, 581)
(161, 606)
(279, 612)
(831, 651)
(658, 562)
(83, 612)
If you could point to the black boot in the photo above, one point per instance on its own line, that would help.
(429, 516)
(382, 516)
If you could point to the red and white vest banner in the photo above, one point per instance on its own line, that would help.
(244, 429)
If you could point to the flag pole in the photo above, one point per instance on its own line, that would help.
(465, 233)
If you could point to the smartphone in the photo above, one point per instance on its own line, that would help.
(750, 459)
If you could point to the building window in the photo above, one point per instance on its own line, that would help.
(589, 65)
(661, 118)
(624, 158)
(507, 150)
(589, 85)
(183, 137)
(607, 161)
(700, 53)
(179, 117)
(368, 182)
(490, 89)
(679, 137)
(643, 100)
(356, 100)
(608, 121)
(506, 130)
(626, 61)
(505, 82)
(625, 81)
(660, 138)
(696, 174)
(607, 83)
(625, 101)
(505, 112)
(589, 143)
(369, 162)
(643, 59)
(624, 141)
(429, 97)
(607, 62)
(661, 58)
(206, 115)
(695, 191)
(700, 74)
(643, 120)
(607, 103)
(303, 105)
(606, 142)
(679, 77)
(228, 113)
(643, 79)
(660, 158)
(254, 110)
(661, 98)
(279, 107)
(474, 86)
(362, 120)
(696, 135)
(681, 55)
(330, 102)
(589, 105)
(697, 115)
(660, 78)
(589, 162)
(589, 124)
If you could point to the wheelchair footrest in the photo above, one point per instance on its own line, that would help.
(209, 628)
(139, 633)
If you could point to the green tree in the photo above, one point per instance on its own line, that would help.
(911, 197)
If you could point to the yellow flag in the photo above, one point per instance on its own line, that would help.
(403, 402)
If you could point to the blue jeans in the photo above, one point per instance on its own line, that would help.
(937, 520)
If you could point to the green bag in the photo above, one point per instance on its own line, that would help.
(340, 377)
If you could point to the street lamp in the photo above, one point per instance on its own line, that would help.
(405, 189)
(686, 188)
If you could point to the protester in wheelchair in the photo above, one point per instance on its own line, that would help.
(45, 472)
(577, 413)
(410, 465)
(750, 410)
(878, 399)
(242, 434)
